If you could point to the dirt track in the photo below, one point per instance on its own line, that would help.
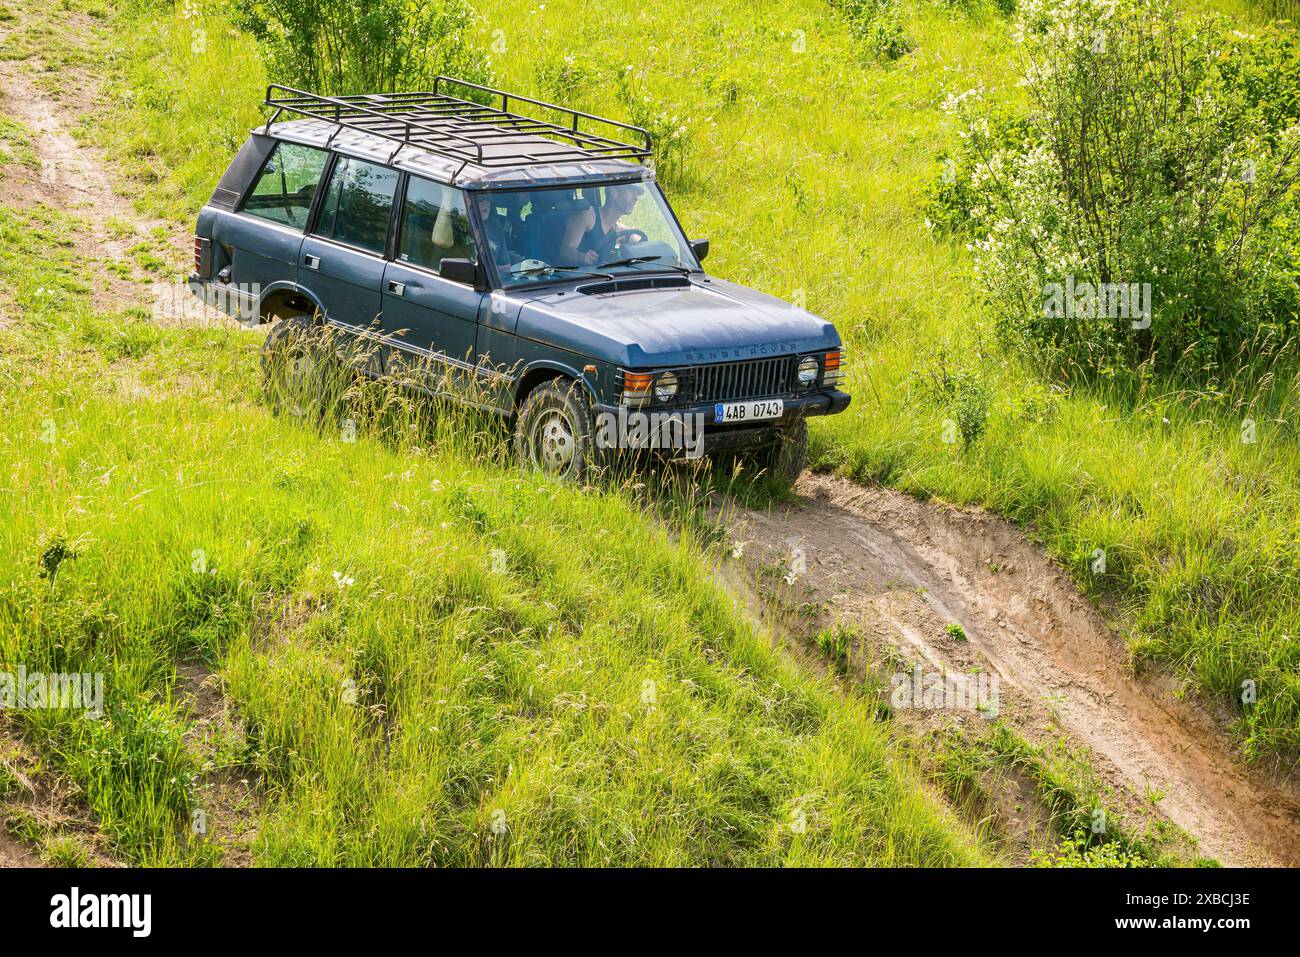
(887, 563)
(74, 178)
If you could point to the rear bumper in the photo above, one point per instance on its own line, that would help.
(237, 301)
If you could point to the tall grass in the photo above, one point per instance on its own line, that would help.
(432, 659)
(810, 169)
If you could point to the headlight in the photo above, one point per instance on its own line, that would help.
(666, 386)
(808, 370)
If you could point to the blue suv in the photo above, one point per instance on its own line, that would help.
(529, 266)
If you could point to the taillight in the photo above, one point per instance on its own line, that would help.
(833, 373)
(198, 255)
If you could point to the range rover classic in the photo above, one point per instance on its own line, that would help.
(535, 262)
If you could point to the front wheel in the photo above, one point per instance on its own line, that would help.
(784, 459)
(554, 432)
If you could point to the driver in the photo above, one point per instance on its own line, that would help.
(591, 232)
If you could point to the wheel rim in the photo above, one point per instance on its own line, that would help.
(554, 444)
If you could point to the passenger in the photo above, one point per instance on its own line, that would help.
(502, 230)
(591, 232)
(452, 237)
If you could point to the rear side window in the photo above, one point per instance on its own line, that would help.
(357, 204)
(284, 190)
(434, 225)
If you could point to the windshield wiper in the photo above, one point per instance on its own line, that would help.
(576, 270)
(636, 260)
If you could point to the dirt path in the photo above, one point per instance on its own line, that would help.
(74, 177)
(38, 806)
(889, 564)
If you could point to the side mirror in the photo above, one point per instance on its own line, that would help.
(701, 248)
(463, 271)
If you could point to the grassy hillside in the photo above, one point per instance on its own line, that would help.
(809, 163)
(405, 694)
(428, 659)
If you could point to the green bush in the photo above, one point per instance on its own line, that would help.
(963, 394)
(1077, 851)
(876, 25)
(363, 46)
(673, 134)
(1145, 211)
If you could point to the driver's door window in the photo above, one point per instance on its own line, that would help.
(434, 226)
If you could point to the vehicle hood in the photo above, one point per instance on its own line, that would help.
(709, 320)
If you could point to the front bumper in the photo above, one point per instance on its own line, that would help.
(719, 437)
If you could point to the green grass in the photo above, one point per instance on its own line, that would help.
(404, 698)
(16, 144)
(810, 173)
(523, 693)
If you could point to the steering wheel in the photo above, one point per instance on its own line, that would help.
(618, 238)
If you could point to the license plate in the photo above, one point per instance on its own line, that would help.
(748, 411)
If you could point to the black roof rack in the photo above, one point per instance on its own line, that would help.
(463, 130)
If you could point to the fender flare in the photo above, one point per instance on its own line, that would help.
(551, 365)
(285, 285)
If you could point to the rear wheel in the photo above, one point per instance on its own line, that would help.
(784, 459)
(297, 365)
(554, 431)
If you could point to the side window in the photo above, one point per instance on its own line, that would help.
(357, 204)
(434, 225)
(284, 189)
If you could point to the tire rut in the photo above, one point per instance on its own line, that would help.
(886, 562)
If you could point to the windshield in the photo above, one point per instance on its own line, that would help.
(541, 235)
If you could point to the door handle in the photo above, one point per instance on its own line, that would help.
(311, 262)
(395, 287)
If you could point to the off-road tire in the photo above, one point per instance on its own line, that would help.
(784, 459)
(295, 363)
(555, 431)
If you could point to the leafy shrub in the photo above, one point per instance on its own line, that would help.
(962, 393)
(355, 46)
(876, 25)
(1146, 211)
(1077, 851)
(563, 79)
(672, 133)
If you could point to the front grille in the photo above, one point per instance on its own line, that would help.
(752, 379)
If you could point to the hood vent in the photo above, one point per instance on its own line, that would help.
(633, 283)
